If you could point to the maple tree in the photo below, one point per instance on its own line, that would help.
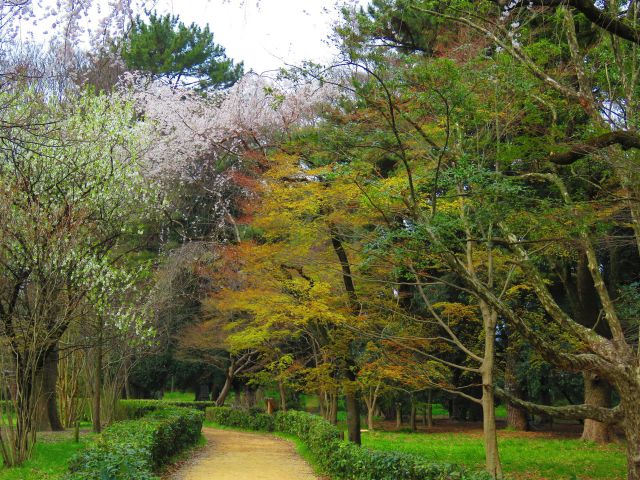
(441, 185)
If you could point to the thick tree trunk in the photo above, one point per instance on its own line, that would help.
(597, 392)
(517, 418)
(50, 379)
(353, 416)
(398, 415)
(41, 418)
(631, 424)
(429, 409)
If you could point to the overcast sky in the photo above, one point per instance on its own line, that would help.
(265, 34)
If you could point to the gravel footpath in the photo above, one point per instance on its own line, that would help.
(231, 455)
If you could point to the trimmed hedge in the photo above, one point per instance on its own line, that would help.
(134, 449)
(132, 409)
(343, 460)
(234, 417)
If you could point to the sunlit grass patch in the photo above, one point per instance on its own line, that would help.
(179, 396)
(50, 458)
(523, 456)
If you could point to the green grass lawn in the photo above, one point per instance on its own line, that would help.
(522, 457)
(311, 403)
(179, 396)
(50, 459)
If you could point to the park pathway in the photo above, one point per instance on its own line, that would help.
(231, 455)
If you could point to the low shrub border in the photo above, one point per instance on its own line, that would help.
(337, 458)
(132, 409)
(234, 417)
(134, 449)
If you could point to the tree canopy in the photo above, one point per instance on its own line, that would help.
(449, 209)
(164, 46)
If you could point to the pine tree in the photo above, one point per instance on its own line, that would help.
(185, 55)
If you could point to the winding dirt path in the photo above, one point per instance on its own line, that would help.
(231, 455)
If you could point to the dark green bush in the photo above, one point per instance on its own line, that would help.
(134, 449)
(235, 417)
(132, 409)
(343, 460)
(6, 406)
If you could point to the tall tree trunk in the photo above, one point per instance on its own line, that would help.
(371, 400)
(323, 404)
(489, 427)
(370, 414)
(353, 410)
(517, 418)
(490, 318)
(629, 401)
(283, 396)
(430, 409)
(398, 415)
(41, 417)
(412, 418)
(225, 390)
(333, 414)
(353, 405)
(97, 387)
(127, 386)
(597, 392)
(50, 379)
